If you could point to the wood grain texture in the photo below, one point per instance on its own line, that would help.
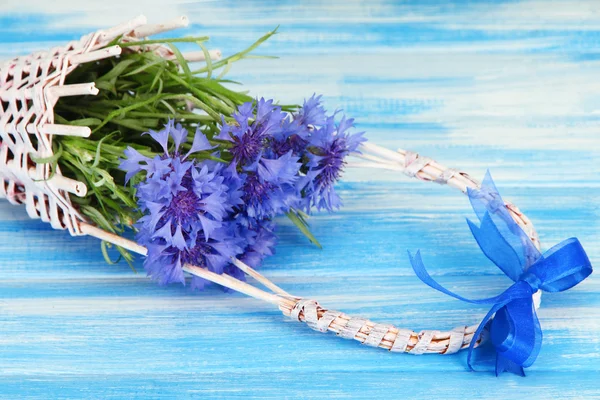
(511, 86)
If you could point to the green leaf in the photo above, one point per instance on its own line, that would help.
(225, 71)
(48, 160)
(241, 54)
(85, 122)
(215, 87)
(104, 246)
(157, 80)
(165, 41)
(123, 254)
(200, 101)
(182, 62)
(127, 256)
(107, 85)
(145, 67)
(301, 224)
(116, 71)
(302, 215)
(112, 115)
(98, 149)
(207, 59)
(98, 218)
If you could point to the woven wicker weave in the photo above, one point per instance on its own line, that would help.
(30, 87)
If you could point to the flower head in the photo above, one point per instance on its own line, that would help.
(269, 188)
(261, 241)
(329, 145)
(312, 112)
(184, 204)
(296, 129)
(291, 137)
(248, 137)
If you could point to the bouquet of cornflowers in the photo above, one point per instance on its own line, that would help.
(199, 174)
(207, 201)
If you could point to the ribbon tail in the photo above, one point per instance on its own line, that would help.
(497, 301)
(516, 333)
(505, 365)
(479, 331)
(423, 275)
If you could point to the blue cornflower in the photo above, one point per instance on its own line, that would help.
(269, 186)
(249, 137)
(136, 162)
(185, 204)
(312, 112)
(296, 129)
(290, 137)
(328, 147)
(259, 239)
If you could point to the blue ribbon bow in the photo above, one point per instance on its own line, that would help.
(515, 329)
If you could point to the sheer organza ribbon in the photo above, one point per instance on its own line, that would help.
(513, 324)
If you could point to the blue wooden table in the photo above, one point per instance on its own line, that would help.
(511, 86)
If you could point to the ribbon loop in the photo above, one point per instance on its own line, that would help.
(562, 267)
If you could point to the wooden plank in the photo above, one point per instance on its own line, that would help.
(511, 87)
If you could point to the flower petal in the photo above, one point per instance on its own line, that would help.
(178, 239)
(200, 143)
(179, 135)
(164, 232)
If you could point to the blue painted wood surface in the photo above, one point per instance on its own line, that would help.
(511, 86)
